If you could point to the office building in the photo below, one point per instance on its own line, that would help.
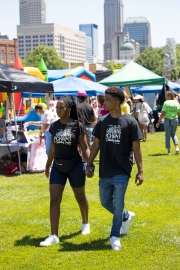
(70, 44)
(91, 30)
(89, 50)
(32, 11)
(113, 23)
(139, 29)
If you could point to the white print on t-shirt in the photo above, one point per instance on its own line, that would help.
(63, 136)
(113, 134)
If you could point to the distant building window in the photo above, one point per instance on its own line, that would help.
(11, 54)
(2, 56)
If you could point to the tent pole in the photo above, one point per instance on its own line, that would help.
(15, 120)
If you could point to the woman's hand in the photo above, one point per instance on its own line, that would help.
(158, 124)
(47, 172)
(90, 171)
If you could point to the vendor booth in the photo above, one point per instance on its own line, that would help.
(71, 86)
(14, 81)
(133, 74)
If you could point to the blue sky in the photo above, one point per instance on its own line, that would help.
(163, 15)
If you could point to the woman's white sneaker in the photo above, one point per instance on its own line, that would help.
(50, 240)
(85, 229)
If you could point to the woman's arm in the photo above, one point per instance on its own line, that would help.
(84, 146)
(50, 159)
(163, 113)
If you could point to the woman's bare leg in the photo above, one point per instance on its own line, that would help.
(80, 196)
(56, 192)
(145, 132)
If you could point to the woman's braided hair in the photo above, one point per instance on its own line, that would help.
(76, 115)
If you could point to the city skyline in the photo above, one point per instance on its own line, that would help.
(163, 18)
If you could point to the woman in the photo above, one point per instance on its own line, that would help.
(47, 117)
(142, 110)
(170, 113)
(101, 110)
(66, 133)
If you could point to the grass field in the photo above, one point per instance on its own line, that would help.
(153, 241)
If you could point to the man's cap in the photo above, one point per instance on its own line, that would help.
(82, 93)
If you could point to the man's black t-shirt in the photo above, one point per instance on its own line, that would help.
(87, 112)
(65, 138)
(116, 136)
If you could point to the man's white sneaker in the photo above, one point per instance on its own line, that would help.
(126, 224)
(50, 240)
(85, 229)
(115, 243)
(177, 150)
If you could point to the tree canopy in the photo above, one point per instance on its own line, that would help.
(112, 65)
(49, 55)
(153, 59)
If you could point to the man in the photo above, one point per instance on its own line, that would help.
(87, 113)
(117, 135)
(47, 118)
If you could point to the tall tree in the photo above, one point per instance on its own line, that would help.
(152, 59)
(49, 55)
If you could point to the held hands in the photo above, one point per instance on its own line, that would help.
(90, 171)
(139, 179)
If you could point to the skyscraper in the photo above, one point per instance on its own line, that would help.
(32, 11)
(91, 30)
(113, 23)
(140, 30)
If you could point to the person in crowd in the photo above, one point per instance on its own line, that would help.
(125, 108)
(67, 133)
(170, 113)
(87, 113)
(52, 109)
(101, 110)
(45, 122)
(142, 110)
(116, 136)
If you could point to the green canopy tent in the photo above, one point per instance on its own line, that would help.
(134, 74)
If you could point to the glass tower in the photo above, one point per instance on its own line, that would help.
(32, 11)
(139, 29)
(91, 30)
(113, 23)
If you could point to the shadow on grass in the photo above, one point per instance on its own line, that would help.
(157, 155)
(28, 241)
(100, 244)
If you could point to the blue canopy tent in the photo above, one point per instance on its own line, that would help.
(71, 86)
(154, 89)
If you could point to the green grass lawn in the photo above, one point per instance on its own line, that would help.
(153, 241)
